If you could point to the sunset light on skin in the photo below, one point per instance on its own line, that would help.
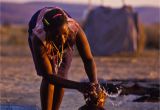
(113, 3)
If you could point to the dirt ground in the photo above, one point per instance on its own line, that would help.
(19, 83)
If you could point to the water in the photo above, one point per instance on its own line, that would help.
(116, 99)
(113, 98)
(16, 107)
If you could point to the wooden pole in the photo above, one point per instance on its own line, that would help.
(89, 4)
(123, 2)
(102, 2)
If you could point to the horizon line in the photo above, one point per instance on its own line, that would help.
(93, 4)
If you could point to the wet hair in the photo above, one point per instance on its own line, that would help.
(54, 19)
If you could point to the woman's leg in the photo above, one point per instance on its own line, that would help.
(51, 96)
(62, 72)
(57, 98)
(58, 94)
(46, 94)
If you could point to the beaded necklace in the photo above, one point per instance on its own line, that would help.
(58, 56)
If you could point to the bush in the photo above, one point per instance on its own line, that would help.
(152, 36)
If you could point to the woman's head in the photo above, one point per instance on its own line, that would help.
(55, 24)
(54, 19)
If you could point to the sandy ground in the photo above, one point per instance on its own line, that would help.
(19, 83)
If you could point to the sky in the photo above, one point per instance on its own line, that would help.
(113, 3)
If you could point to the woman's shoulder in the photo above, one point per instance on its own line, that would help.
(73, 25)
(36, 42)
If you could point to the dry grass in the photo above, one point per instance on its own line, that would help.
(13, 35)
(16, 35)
(141, 40)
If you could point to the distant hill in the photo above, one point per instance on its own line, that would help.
(16, 13)
(148, 15)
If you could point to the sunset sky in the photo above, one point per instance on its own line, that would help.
(114, 3)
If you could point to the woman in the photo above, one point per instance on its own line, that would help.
(52, 35)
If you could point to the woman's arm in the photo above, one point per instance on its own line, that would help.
(44, 66)
(85, 52)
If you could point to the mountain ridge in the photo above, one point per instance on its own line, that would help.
(20, 13)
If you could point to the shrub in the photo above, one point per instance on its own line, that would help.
(153, 35)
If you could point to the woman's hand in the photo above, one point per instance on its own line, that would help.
(95, 95)
(86, 87)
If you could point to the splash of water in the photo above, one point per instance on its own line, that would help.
(116, 98)
(113, 93)
(113, 98)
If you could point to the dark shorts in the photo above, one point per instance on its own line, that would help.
(67, 57)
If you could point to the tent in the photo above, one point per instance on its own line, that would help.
(111, 31)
